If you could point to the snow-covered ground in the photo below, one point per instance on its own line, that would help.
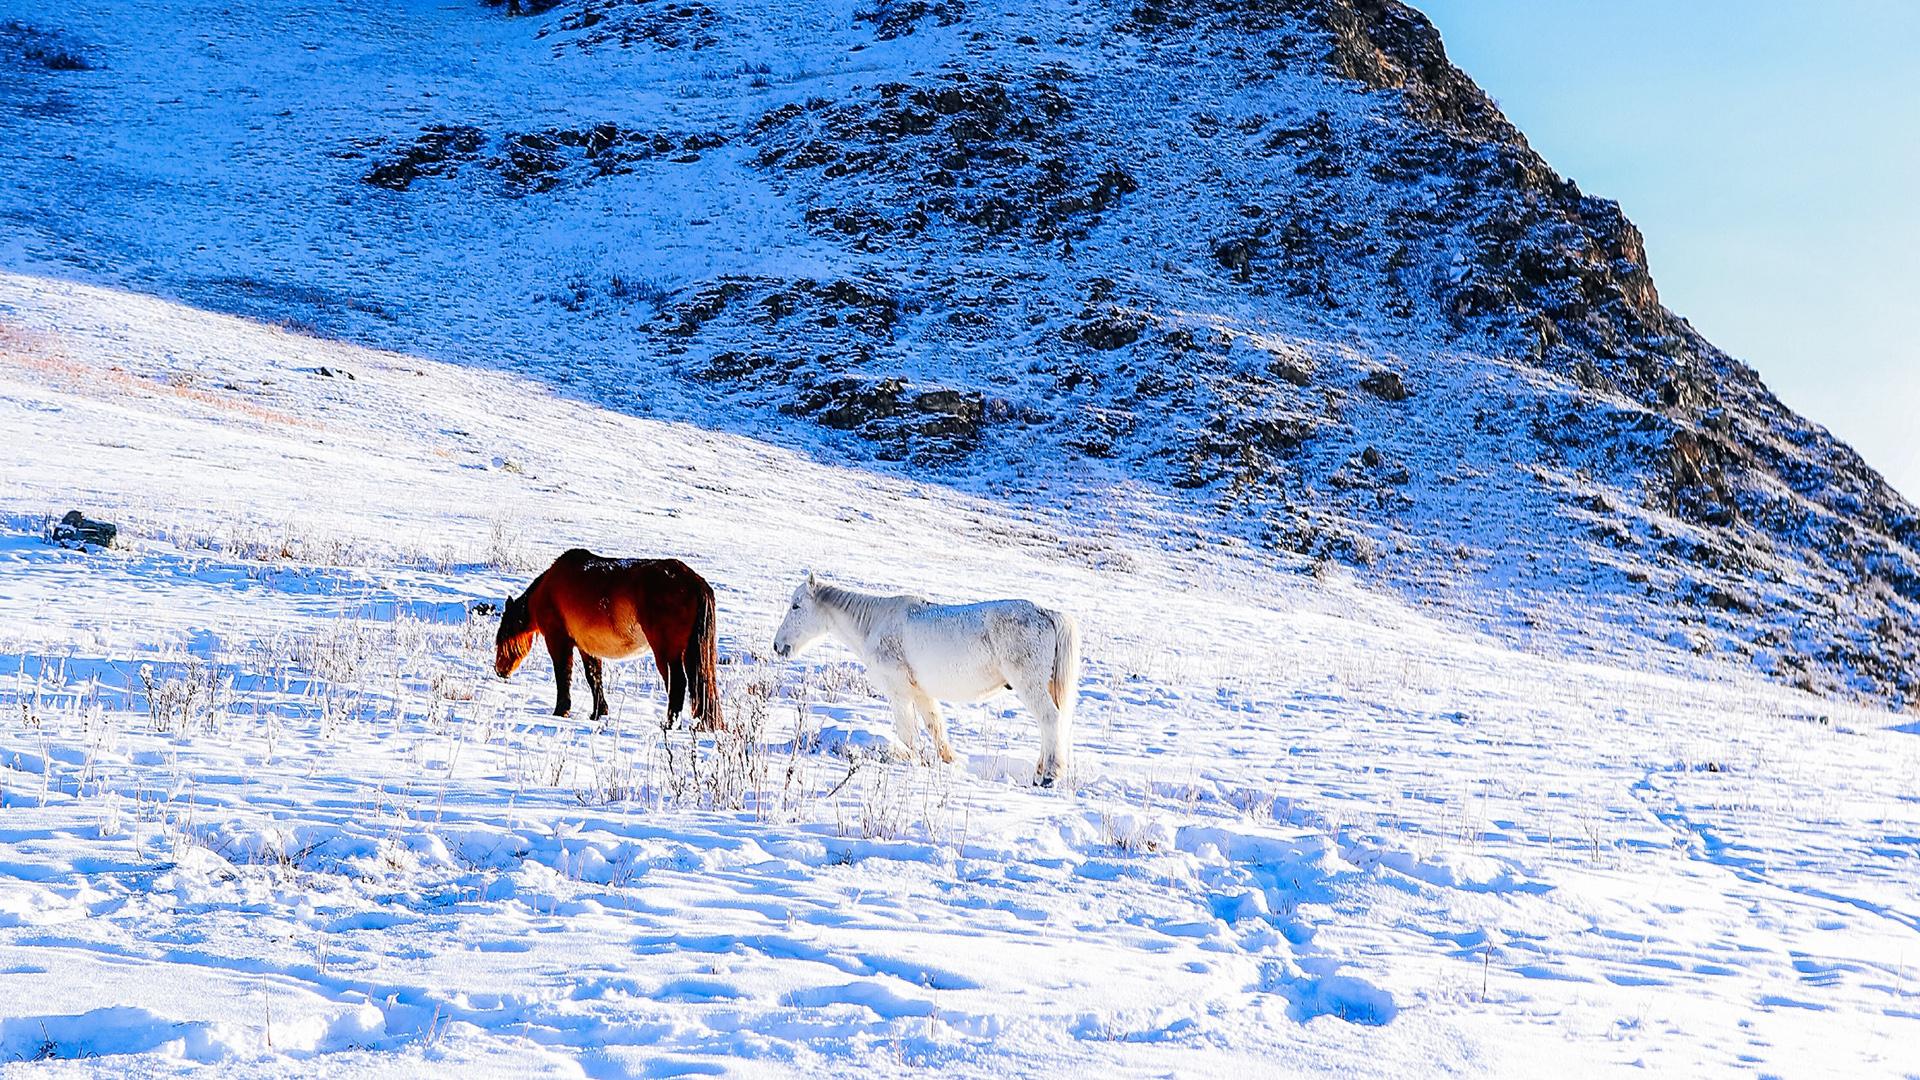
(265, 810)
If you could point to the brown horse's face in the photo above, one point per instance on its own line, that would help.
(515, 639)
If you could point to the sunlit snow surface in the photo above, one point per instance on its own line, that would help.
(266, 809)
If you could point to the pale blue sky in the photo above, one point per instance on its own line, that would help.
(1769, 150)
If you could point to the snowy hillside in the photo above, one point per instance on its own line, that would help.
(1483, 673)
(265, 805)
(1277, 263)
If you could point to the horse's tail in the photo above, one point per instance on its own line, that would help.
(699, 663)
(1064, 687)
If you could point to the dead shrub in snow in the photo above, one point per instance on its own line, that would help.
(197, 693)
(507, 548)
(726, 774)
(729, 772)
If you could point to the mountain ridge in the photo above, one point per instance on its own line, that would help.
(1281, 261)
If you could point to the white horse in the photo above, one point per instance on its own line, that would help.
(921, 653)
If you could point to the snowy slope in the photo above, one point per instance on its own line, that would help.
(1443, 593)
(1278, 264)
(266, 811)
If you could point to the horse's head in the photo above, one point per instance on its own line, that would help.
(515, 639)
(805, 623)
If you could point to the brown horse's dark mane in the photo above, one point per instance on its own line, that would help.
(515, 618)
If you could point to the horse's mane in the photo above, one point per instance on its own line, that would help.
(860, 607)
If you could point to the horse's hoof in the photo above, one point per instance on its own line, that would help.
(1043, 781)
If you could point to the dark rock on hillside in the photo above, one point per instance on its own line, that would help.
(1386, 385)
(439, 150)
(677, 24)
(899, 18)
(78, 530)
(34, 47)
(1388, 45)
(533, 161)
(999, 154)
(820, 340)
(927, 423)
(620, 24)
(1107, 330)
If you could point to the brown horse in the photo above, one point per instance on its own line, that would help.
(611, 609)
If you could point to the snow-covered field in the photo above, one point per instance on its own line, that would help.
(265, 810)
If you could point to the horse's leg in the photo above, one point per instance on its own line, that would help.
(561, 649)
(936, 724)
(676, 669)
(666, 658)
(900, 692)
(595, 682)
(673, 679)
(1032, 693)
(906, 725)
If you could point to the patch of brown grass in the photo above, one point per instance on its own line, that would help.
(41, 353)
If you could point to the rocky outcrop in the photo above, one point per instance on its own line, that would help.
(530, 162)
(908, 420)
(998, 154)
(1281, 256)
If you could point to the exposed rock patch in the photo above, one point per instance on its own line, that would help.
(439, 150)
(1386, 385)
(46, 50)
(78, 530)
(924, 422)
(1108, 329)
(994, 153)
(535, 161)
(621, 24)
(900, 18)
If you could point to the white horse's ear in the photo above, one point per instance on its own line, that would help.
(812, 582)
